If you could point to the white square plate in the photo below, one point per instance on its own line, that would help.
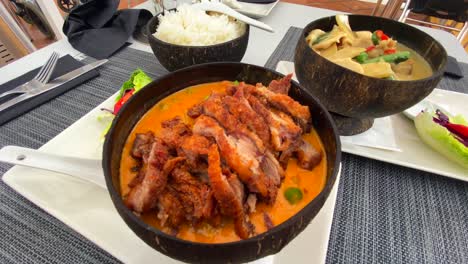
(414, 153)
(88, 209)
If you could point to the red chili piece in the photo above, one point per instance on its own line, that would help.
(122, 100)
(381, 35)
(458, 129)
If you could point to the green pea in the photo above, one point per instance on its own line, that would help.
(293, 195)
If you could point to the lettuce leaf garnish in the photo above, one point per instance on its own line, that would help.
(432, 129)
(137, 80)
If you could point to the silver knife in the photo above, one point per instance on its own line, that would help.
(53, 84)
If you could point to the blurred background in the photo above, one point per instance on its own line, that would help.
(28, 25)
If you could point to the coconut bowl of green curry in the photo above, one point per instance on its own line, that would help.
(364, 67)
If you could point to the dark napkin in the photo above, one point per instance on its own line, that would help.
(453, 68)
(97, 29)
(65, 64)
(258, 1)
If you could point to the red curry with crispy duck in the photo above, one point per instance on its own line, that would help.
(223, 161)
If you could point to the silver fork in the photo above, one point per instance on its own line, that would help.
(42, 77)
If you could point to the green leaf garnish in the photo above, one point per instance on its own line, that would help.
(138, 79)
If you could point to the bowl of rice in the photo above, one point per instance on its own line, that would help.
(187, 36)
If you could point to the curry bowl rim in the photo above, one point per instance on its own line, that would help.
(118, 201)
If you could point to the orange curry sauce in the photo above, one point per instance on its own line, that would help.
(310, 182)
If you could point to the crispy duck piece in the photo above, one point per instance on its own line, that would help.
(308, 157)
(173, 131)
(170, 209)
(240, 154)
(215, 107)
(240, 107)
(195, 149)
(283, 102)
(273, 170)
(282, 85)
(142, 145)
(194, 195)
(144, 195)
(284, 132)
(229, 193)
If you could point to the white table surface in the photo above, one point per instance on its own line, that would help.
(261, 43)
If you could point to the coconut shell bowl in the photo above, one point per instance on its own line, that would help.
(355, 100)
(261, 245)
(174, 57)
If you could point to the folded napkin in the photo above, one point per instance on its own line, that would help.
(97, 29)
(258, 1)
(65, 64)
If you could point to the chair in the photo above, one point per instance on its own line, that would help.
(456, 10)
(389, 10)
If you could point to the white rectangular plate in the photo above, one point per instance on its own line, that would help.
(88, 209)
(414, 153)
(256, 10)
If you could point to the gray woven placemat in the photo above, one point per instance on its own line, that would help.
(391, 214)
(27, 233)
(384, 213)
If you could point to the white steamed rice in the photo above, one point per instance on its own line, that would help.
(190, 26)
